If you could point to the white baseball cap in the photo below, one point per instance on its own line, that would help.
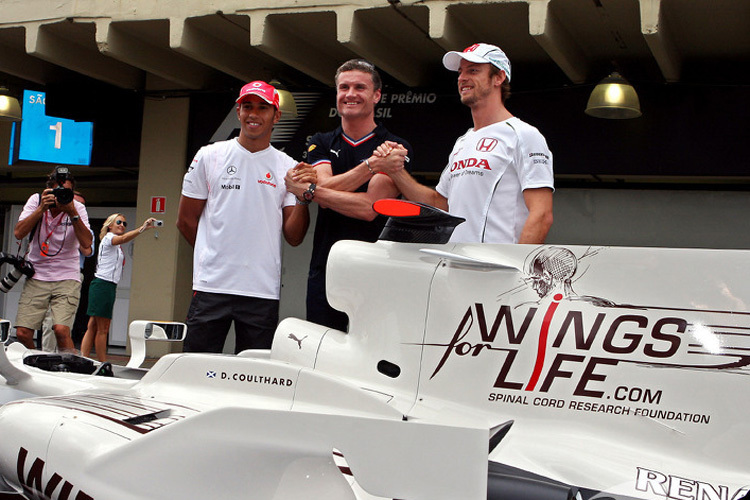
(482, 53)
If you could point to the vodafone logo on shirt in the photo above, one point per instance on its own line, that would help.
(268, 180)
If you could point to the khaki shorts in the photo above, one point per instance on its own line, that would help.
(60, 296)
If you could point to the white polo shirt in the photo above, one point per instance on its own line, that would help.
(486, 174)
(238, 244)
(110, 261)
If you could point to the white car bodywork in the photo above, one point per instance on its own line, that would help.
(589, 372)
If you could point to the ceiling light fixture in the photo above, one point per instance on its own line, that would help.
(10, 109)
(287, 106)
(614, 98)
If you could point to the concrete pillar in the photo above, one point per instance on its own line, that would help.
(161, 282)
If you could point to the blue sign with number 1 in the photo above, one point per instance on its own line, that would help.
(50, 139)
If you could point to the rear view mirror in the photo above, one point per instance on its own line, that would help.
(142, 331)
(4, 330)
(164, 331)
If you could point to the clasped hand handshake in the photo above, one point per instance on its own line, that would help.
(388, 158)
(299, 178)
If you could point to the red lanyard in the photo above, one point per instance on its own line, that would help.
(44, 246)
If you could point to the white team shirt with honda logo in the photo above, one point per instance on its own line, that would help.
(484, 180)
(238, 244)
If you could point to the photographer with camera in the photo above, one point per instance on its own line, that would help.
(109, 265)
(57, 226)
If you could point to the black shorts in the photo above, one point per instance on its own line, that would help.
(211, 314)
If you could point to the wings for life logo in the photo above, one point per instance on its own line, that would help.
(561, 334)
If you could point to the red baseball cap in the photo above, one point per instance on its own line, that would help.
(263, 90)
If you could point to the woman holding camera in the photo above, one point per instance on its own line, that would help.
(109, 264)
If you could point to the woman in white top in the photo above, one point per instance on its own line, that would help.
(109, 264)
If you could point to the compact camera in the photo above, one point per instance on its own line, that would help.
(158, 223)
(63, 195)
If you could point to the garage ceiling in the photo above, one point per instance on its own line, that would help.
(194, 45)
(191, 44)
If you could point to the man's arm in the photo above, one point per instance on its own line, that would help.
(319, 154)
(296, 221)
(536, 227)
(84, 237)
(26, 224)
(414, 191)
(82, 231)
(93, 244)
(404, 182)
(296, 218)
(357, 205)
(349, 181)
(352, 179)
(188, 214)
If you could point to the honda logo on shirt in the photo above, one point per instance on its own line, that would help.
(486, 144)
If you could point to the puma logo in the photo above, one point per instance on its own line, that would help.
(299, 341)
(336, 152)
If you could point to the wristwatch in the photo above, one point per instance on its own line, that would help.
(309, 194)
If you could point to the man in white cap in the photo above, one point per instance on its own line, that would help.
(233, 209)
(499, 174)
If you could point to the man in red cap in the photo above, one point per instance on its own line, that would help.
(499, 175)
(233, 210)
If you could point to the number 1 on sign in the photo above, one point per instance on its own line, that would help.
(57, 127)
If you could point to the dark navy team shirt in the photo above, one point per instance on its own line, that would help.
(345, 153)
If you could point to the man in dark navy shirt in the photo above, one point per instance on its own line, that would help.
(347, 185)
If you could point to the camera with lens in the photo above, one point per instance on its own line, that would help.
(158, 223)
(63, 195)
